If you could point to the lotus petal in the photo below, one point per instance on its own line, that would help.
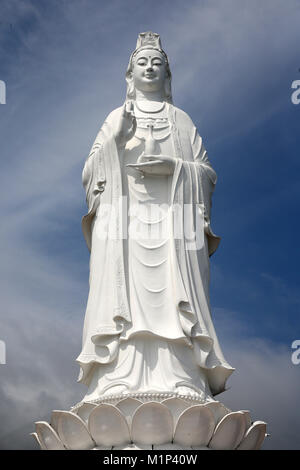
(254, 437)
(200, 448)
(152, 423)
(103, 448)
(84, 411)
(229, 432)
(55, 415)
(36, 437)
(47, 436)
(218, 410)
(73, 432)
(248, 418)
(171, 447)
(108, 426)
(127, 406)
(133, 447)
(176, 406)
(195, 426)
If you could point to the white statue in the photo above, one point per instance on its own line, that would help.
(149, 183)
(150, 357)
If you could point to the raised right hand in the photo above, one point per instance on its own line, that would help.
(127, 124)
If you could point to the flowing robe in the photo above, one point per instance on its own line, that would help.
(111, 326)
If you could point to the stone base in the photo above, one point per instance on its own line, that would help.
(150, 421)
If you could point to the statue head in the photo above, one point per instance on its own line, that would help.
(148, 68)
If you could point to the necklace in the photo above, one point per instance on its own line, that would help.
(150, 110)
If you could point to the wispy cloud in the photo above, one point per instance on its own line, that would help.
(64, 66)
(266, 383)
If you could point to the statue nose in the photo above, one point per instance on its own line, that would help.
(149, 68)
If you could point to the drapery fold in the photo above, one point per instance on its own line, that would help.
(108, 319)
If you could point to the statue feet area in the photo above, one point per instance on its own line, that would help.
(150, 421)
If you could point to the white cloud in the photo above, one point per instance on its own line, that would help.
(266, 383)
(67, 74)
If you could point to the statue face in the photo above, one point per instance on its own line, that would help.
(149, 70)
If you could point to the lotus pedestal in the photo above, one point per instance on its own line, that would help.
(149, 422)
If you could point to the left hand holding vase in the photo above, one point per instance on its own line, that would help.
(156, 165)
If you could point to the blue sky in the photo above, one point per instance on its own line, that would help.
(64, 65)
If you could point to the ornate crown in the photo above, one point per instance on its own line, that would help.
(148, 39)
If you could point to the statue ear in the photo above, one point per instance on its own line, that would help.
(130, 86)
(167, 89)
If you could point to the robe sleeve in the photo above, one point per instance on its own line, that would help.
(94, 173)
(207, 176)
(204, 180)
